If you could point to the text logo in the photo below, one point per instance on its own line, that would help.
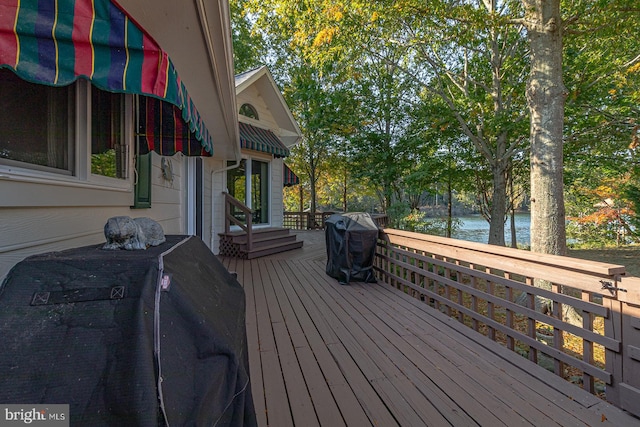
(36, 415)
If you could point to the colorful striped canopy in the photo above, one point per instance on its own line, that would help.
(288, 177)
(161, 129)
(55, 42)
(258, 139)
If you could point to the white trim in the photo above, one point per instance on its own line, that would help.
(248, 158)
(190, 220)
(80, 175)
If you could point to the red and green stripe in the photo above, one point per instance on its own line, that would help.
(55, 42)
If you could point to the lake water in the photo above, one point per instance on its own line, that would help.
(476, 229)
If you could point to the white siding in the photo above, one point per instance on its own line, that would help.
(253, 97)
(277, 204)
(167, 196)
(38, 216)
(218, 185)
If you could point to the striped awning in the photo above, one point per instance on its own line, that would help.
(258, 139)
(288, 177)
(55, 42)
(161, 129)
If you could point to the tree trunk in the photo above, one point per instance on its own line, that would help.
(312, 191)
(344, 194)
(546, 98)
(449, 208)
(498, 204)
(512, 203)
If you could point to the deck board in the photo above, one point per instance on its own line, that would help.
(326, 354)
(348, 405)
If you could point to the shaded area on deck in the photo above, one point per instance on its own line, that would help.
(367, 354)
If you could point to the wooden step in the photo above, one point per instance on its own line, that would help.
(265, 241)
(259, 234)
(273, 249)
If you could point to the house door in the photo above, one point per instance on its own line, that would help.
(250, 184)
(195, 205)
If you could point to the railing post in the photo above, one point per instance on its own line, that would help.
(249, 231)
(613, 329)
(227, 213)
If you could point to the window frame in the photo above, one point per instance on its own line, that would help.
(252, 110)
(79, 173)
(248, 159)
(69, 171)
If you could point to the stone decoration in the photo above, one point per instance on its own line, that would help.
(123, 232)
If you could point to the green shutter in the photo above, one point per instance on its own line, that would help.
(143, 182)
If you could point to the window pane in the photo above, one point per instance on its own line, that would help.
(236, 184)
(36, 122)
(260, 191)
(108, 154)
(249, 111)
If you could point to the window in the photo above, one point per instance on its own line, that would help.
(36, 124)
(260, 191)
(38, 129)
(249, 183)
(108, 150)
(237, 186)
(248, 110)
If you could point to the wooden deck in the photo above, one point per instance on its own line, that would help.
(323, 354)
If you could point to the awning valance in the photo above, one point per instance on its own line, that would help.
(161, 129)
(288, 177)
(55, 42)
(258, 139)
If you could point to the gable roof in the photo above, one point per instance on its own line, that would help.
(262, 80)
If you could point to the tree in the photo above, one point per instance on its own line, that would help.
(465, 53)
(249, 49)
(376, 146)
(324, 110)
(439, 157)
(545, 96)
(601, 109)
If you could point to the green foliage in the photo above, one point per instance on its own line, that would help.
(591, 235)
(417, 221)
(248, 45)
(400, 99)
(603, 92)
(632, 193)
(104, 164)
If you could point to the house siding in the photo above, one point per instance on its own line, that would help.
(218, 185)
(41, 212)
(252, 96)
(38, 217)
(277, 203)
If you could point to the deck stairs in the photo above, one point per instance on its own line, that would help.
(265, 241)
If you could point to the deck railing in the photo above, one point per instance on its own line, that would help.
(491, 290)
(305, 220)
(315, 220)
(230, 217)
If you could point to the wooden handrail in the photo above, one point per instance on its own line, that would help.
(480, 285)
(247, 226)
(315, 221)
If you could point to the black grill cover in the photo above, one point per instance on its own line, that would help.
(351, 247)
(94, 329)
